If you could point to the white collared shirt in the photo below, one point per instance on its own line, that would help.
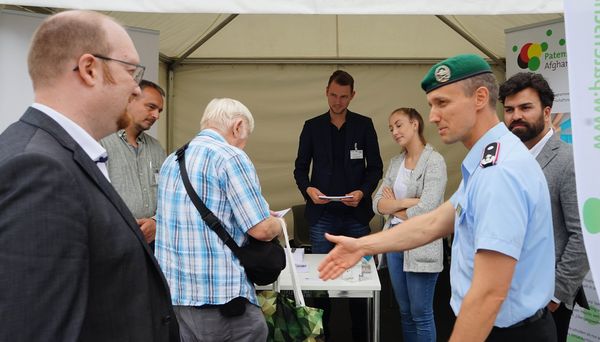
(537, 148)
(91, 147)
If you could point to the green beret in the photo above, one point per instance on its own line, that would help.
(454, 69)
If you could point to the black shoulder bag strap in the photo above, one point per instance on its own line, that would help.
(209, 218)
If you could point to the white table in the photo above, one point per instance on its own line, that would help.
(338, 288)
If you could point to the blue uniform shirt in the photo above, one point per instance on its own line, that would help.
(504, 208)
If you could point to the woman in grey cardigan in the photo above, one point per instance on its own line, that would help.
(414, 184)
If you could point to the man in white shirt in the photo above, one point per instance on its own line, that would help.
(527, 100)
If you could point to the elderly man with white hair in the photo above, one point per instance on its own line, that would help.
(212, 296)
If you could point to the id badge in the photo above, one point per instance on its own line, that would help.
(356, 154)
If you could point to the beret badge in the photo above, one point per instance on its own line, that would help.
(442, 74)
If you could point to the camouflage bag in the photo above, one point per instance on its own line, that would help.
(290, 320)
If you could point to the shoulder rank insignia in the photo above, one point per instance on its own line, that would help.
(490, 154)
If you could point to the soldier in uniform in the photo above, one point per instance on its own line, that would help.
(500, 215)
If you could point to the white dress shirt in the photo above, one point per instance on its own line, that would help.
(537, 148)
(91, 147)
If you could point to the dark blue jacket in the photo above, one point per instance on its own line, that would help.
(361, 174)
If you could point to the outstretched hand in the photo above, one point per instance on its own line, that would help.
(344, 255)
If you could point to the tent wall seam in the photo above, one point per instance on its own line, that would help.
(204, 39)
(472, 40)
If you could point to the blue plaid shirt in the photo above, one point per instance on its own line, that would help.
(199, 267)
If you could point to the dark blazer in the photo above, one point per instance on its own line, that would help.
(556, 160)
(361, 174)
(75, 265)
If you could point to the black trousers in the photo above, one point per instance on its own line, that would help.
(562, 319)
(358, 315)
(541, 330)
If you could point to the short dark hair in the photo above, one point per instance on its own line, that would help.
(149, 84)
(524, 80)
(342, 78)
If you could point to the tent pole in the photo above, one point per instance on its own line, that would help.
(170, 119)
(164, 58)
(472, 40)
(171, 77)
(38, 10)
(203, 40)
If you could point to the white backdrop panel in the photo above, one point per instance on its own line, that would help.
(16, 92)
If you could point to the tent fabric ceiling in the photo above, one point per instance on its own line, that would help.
(328, 36)
(309, 6)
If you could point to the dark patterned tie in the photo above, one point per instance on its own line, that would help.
(101, 160)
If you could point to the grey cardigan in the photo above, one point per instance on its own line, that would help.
(428, 183)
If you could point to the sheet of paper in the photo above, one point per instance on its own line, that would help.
(280, 213)
(334, 198)
(298, 254)
(302, 267)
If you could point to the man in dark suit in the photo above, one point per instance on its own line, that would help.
(527, 100)
(75, 265)
(343, 149)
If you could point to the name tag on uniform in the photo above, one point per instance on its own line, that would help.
(356, 153)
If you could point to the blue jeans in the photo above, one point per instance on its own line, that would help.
(348, 226)
(336, 225)
(414, 294)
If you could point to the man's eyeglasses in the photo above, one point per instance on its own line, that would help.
(137, 74)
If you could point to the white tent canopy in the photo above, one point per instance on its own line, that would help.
(203, 31)
(310, 6)
(330, 37)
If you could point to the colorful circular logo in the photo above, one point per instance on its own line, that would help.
(530, 55)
